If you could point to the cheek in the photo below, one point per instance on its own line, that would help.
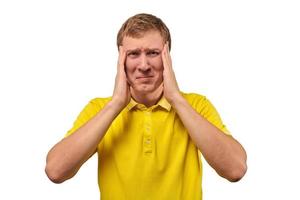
(158, 64)
(129, 65)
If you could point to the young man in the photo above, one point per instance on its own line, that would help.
(149, 135)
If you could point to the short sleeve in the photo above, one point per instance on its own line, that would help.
(206, 109)
(88, 112)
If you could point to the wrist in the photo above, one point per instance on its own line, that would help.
(116, 105)
(175, 99)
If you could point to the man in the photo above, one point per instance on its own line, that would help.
(149, 134)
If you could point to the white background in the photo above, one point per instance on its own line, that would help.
(243, 55)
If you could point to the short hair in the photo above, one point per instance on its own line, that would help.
(139, 24)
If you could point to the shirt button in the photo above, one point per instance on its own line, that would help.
(148, 141)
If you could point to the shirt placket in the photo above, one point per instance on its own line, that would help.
(148, 138)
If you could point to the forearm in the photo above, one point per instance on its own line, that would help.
(67, 156)
(221, 151)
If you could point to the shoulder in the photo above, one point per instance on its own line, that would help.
(206, 109)
(95, 105)
(99, 101)
(199, 102)
(193, 98)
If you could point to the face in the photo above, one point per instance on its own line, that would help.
(144, 66)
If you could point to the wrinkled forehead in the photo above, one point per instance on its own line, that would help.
(149, 40)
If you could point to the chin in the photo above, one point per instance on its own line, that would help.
(144, 88)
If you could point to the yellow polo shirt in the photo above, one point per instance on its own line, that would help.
(147, 153)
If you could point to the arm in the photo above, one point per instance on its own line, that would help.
(67, 156)
(221, 151)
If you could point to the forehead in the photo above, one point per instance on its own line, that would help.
(152, 39)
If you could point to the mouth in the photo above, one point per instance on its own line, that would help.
(144, 77)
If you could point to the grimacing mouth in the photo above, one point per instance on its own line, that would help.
(139, 77)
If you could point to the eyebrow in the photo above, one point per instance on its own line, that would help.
(147, 49)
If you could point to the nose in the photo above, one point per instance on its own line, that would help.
(144, 64)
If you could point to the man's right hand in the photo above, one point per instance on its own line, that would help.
(121, 95)
(68, 155)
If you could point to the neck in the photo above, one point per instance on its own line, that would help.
(148, 99)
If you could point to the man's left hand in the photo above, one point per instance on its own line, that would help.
(171, 89)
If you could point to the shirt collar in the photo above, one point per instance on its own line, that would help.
(162, 103)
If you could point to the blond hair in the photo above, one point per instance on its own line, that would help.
(137, 25)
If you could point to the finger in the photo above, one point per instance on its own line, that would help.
(166, 58)
(167, 46)
(122, 57)
(168, 54)
(120, 54)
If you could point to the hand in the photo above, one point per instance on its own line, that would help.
(171, 89)
(121, 95)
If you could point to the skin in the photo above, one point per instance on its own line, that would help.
(144, 67)
(145, 73)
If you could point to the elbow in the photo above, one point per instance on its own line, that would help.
(54, 175)
(238, 173)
